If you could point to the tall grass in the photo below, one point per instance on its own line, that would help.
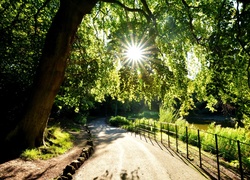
(167, 115)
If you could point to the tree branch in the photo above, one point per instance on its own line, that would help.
(128, 8)
(190, 21)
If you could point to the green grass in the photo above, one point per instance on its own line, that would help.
(57, 142)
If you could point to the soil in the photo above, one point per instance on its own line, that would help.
(19, 169)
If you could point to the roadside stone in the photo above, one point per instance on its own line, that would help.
(87, 151)
(81, 159)
(64, 178)
(76, 164)
(90, 142)
(58, 178)
(69, 169)
(69, 176)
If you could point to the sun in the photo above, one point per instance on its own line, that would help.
(134, 53)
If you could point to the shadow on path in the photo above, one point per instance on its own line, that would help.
(103, 134)
(124, 175)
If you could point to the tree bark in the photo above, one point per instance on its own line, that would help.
(50, 74)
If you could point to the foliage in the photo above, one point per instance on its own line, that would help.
(80, 118)
(58, 142)
(23, 27)
(195, 50)
(118, 121)
(167, 115)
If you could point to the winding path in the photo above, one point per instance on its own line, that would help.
(121, 156)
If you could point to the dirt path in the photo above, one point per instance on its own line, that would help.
(120, 155)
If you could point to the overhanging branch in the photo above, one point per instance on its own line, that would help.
(128, 8)
(190, 21)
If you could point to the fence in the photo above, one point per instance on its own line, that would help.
(220, 157)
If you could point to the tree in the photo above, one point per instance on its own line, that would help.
(172, 29)
(50, 74)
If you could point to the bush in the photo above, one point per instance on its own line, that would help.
(167, 115)
(118, 121)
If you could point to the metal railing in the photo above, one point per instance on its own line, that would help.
(212, 157)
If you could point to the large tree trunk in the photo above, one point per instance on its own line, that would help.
(50, 73)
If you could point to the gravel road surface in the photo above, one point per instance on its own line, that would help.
(121, 156)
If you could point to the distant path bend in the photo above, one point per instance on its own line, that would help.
(121, 156)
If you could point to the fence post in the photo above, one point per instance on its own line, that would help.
(176, 132)
(149, 127)
(139, 128)
(135, 127)
(187, 140)
(144, 128)
(168, 137)
(199, 145)
(240, 161)
(154, 130)
(217, 155)
(161, 130)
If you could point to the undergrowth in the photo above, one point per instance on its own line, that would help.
(57, 142)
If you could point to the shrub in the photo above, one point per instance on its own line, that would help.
(118, 121)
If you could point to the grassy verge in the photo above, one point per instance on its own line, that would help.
(58, 140)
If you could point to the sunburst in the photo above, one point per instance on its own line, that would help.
(135, 52)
